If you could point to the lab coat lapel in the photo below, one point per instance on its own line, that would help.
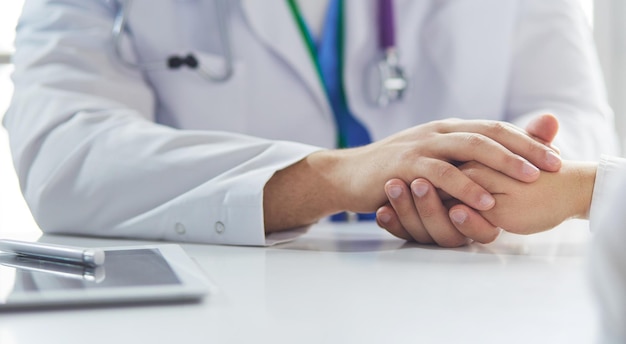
(275, 26)
(467, 52)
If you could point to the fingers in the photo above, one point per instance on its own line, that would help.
(418, 214)
(501, 146)
(544, 128)
(401, 200)
(455, 183)
(473, 225)
(387, 218)
(434, 215)
(493, 181)
(476, 147)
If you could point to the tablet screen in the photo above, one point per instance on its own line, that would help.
(128, 274)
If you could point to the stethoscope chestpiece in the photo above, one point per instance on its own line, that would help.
(390, 82)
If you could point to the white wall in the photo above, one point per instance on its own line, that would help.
(9, 10)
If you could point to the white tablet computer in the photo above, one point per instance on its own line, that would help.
(130, 275)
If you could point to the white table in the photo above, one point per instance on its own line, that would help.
(352, 283)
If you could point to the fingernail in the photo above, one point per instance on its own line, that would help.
(552, 158)
(487, 201)
(458, 216)
(419, 189)
(394, 191)
(529, 169)
(384, 217)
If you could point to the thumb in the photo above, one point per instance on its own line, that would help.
(544, 128)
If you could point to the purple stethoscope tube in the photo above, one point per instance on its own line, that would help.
(391, 78)
(386, 25)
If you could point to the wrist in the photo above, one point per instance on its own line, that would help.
(579, 187)
(302, 193)
(326, 168)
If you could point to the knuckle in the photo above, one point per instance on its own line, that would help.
(475, 140)
(533, 147)
(426, 211)
(444, 125)
(471, 173)
(439, 125)
(498, 128)
(445, 171)
(470, 169)
(509, 159)
(467, 189)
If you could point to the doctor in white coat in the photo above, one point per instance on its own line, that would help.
(109, 141)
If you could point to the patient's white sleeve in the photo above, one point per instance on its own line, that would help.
(610, 175)
(607, 258)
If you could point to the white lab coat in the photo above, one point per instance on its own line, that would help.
(103, 149)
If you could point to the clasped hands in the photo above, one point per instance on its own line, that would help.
(525, 200)
(445, 182)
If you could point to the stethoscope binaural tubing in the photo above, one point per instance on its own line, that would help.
(392, 79)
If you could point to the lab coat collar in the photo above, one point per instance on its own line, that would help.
(277, 29)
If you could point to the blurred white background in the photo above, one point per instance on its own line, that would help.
(608, 17)
(14, 214)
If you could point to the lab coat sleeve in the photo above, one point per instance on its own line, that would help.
(607, 258)
(92, 161)
(555, 69)
(610, 175)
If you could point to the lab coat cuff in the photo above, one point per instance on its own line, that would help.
(609, 174)
(235, 217)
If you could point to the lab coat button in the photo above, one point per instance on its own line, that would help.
(180, 228)
(219, 227)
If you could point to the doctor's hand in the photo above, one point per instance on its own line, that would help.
(416, 212)
(332, 181)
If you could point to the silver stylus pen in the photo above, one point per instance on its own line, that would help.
(68, 254)
(74, 271)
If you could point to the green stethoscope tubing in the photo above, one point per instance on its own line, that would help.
(312, 51)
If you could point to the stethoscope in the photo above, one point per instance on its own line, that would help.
(391, 82)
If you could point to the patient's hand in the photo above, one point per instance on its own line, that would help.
(527, 208)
